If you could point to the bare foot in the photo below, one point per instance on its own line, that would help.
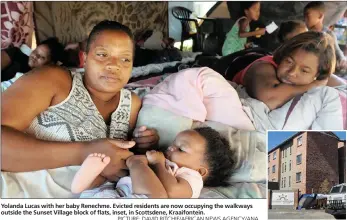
(90, 169)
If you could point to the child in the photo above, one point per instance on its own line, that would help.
(197, 157)
(314, 16)
(290, 29)
(236, 38)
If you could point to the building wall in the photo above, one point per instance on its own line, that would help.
(286, 158)
(342, 161)
(296, 168)
(274, 177)
(322, 162)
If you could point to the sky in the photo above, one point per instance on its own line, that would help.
(277, 137)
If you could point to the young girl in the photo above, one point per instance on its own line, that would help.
(197, 157)
(298, 65)
(236, 38)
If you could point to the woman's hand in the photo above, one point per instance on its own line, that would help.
(117, 150)
(145, 137)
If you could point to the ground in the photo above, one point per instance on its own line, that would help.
(298, 214)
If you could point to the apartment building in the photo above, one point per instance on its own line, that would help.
(308, 161)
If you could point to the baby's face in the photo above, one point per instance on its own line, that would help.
(188, 150)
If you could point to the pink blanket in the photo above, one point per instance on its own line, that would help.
(200, 94)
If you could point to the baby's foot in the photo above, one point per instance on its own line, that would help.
(92, 166)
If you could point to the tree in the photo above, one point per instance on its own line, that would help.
(324, 186)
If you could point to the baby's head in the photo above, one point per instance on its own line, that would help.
(290, 29)
(314, 14)
(206, 151)
(304, 58)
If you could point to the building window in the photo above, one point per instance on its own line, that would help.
(268, 170)
(289, 179)
(273, 168)
(284, 182)
(290, 150)
(298, 159)
(290, 165)
(269, 158)
(285, 152)
(282, 167)
(285, 166)
(274, 157)
(300, 141)
(298, 177)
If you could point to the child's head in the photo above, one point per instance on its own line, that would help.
(314, 14)
(109, 57)
(290, 29)
(251, 10)
(305, 58)
(204, 150)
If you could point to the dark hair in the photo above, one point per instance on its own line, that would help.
(315, 42)
(107, 25)
(246, 5)
(56, 49)
(219, 156)
(288, 27)
(316, 6)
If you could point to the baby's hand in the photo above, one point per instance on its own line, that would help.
(155, 157)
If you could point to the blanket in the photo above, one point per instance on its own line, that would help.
(200, 94)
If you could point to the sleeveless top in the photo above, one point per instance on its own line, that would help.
(238, 78)
(74, 119)
(233, 42)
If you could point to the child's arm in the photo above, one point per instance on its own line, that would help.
(144, 181)
(175, 187)
(243, 33)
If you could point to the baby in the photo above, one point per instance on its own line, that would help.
(196, 158)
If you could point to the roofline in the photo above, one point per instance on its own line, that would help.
(286, 141)
(300, 132)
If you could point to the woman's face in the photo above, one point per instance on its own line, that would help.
(109, 61)
(40, 56)
(299, 68)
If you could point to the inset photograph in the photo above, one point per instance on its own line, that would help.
(307, 174)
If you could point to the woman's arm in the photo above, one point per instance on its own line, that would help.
(21, 103)
(262, 84)
(244, 34)
(336, 81)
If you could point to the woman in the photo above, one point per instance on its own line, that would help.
(13, 60)
(300, 64)
(67, 117)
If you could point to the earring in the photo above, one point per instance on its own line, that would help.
(314, 78)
